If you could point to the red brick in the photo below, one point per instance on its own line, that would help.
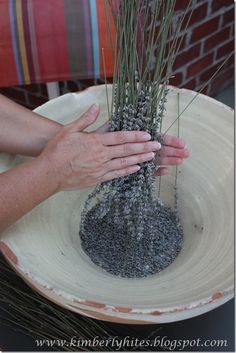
(231, 61)
(164, 69)
(220, 80)
(225, 49)
(204, 90)
(205, 29)
(228, 17)
(197, 15)
(187, 56)
(156, 32)
(218, 4)
(181, 42)
(216, 39)
(13, 93)
(181, 4)
(177, 79)
(232, 30)
(190, 84)
(199, 65)
(35, 101)
(209, 72)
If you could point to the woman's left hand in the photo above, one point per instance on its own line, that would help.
(173, 151)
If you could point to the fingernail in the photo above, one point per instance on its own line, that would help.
(137, 168)
(152, 154)
(156, 145)
(146, 136)
(94, 108)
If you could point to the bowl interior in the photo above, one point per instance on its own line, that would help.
(46, 240)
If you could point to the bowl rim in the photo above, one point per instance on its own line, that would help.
(12, 259)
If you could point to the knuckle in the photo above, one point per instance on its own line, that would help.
(127, 149)
(123, 162)
(101, 156)
(146, 147)
(121, 137)
(94, 170)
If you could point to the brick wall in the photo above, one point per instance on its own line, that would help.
(208, 41)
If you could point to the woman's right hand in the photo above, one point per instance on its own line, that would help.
(79, 159)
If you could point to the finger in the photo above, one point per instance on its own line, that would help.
(173, 141)
(168, 151)
(104, 128)
(169, 161)
(129, 149)
(119, 163)
(120, 137)
(87, 119)
(161, 171)
(120, 173)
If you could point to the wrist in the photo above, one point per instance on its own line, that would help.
(47, 129)
(48, 174)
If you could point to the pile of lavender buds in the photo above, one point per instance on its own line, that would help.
(125, 227)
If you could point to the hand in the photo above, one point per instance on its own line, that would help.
(172, 152)
(80, 159)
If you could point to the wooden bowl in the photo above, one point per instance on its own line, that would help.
(44, 247)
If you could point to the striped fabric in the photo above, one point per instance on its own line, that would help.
(51, 40)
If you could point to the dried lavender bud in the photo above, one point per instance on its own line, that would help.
(147, 249)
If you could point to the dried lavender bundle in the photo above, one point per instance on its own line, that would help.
(125, 227)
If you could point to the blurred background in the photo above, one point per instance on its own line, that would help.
(48, 48)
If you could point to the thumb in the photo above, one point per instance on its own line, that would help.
(87, 119)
